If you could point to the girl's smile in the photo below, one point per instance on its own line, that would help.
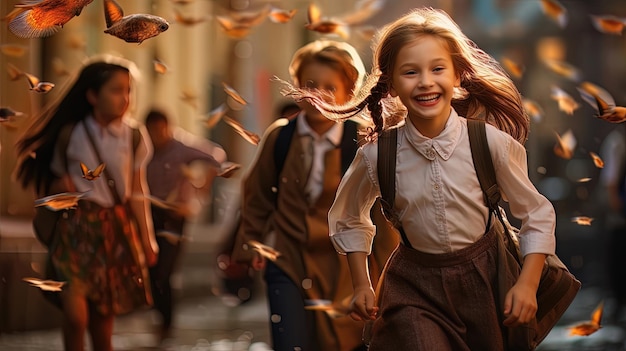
(428, 99)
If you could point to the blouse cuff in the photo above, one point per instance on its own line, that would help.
(352, 241)
(537, 243)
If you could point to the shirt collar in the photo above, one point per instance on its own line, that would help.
(115, 128)
(443, 144)
(333, 135)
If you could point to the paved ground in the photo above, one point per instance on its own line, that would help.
(206, 322)
(200, 324)
(206, 317)
(209, 324)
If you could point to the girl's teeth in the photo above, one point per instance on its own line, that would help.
(428, 97)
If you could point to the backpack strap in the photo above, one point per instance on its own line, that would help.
(483, 164)
(283, 141)
(485, 171)
(386, 168)
(349, 144)
(109, 180)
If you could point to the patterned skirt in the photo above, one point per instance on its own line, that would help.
(98, 252)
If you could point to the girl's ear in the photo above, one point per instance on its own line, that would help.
(457, 81)
(92, 98)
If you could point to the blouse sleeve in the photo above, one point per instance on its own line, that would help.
(350, 225)
(525, 202)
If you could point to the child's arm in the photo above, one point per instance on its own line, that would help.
(538, 218)
(363, 300)
(258, 199)
(352, 231)
(520, 304)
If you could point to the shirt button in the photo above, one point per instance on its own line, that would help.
(436, 186)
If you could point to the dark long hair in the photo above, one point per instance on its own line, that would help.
(36, 146)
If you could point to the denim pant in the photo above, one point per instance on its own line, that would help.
(292, 325)
(160, 276)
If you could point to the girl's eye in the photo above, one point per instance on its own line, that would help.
(437, 69)
(410, 72)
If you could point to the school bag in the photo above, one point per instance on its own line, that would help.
(557, 287)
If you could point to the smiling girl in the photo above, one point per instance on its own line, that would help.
(440, 290)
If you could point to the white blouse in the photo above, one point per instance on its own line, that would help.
(114, 143)
(438, 197)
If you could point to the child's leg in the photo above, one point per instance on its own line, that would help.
(288, 318)
(160, 278)
(101, 330)
(75, 320)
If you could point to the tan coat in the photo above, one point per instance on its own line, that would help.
(301, 234)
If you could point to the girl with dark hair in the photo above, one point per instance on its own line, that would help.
(103, 247)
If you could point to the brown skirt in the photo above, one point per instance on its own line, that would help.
(440, 301)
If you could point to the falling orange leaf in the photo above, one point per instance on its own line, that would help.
(596, 160)
(587, 328)
(555, 11)
(264, 250)
(566, 102)
(565, 146)
(250, 137)
(608, 24)
(582, 220)
(514, 68)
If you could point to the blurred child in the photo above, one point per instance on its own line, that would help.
(286, 197)
(177, 200)
(101, 249)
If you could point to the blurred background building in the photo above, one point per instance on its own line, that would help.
(200, 55)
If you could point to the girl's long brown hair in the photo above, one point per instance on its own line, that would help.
(36, 146)
(486, 91)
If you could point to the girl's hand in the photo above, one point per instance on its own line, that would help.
(362, 306)
(520, 304)
(258, 262)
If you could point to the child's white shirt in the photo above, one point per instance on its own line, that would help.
(114, 143)
(438, 197)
